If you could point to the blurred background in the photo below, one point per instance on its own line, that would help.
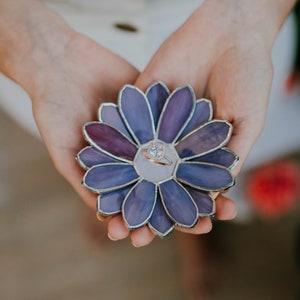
(52, 247)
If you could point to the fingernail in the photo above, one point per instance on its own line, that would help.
(134, 245)
(100, 217)
(111, 238)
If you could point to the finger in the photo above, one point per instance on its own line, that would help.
(225, 208)
(243, 138)
(204, 225)
(142, 237)
(88, 197)
(117, 230)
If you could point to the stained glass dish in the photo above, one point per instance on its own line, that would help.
(157, 158)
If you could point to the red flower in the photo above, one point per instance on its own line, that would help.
(273, 189)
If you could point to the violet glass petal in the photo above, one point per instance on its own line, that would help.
(209, 137)
(90, 156)
(111, 202)
(109, 114)
(204, 176)
(202, 114)
(139, 204)
(110, 140)
(223, 157)
(136, 113)
(160, 222)
(178, 204)
(157, 95)
(108, 177)
(176, 113)
(204, 202)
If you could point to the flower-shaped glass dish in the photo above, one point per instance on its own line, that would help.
(157, 158)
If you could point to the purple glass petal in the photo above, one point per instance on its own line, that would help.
(209, 137)
(176, 113)
(90, 156)
(105, 178)
(109, 114)
(223, 157)
(111, 203)
(204, 202)
(160, 222)
(157, 95)
(178, 204)
(203, 176)
(202, 114)
(136, 111)
(139, 204)
(110, 140)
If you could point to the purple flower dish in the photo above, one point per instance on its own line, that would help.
(157, 158)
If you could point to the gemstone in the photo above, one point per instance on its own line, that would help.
(155, 151)
(156, 161)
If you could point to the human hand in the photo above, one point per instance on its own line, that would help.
(69, 96)
(223, 52)
(67, 76)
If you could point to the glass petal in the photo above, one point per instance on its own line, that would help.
(111, 202)
(139, 204)
(90, 156)
(109, 114)
(176, 113)
(136, 113)
(224, 157)
(110, 140)
(202, 114)
(204, 202)
(160, 222)
(207, 138)
(108, 177)
(204, 176)
(178, 204)
(157, 95)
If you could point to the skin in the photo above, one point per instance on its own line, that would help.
(222, 50)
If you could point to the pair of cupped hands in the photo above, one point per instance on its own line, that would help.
(221, 58)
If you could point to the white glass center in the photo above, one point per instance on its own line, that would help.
(156, 161)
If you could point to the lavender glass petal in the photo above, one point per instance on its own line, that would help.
(110, 140)
(201, 115)
(178, 203)
(207, 138)
(109, 114)
(89, 156)
(138, 206)
(160, 221)
(204, 176)
(223, 157)
(176, 113)
(111, 202)
(135, 109)
(110, 176)
(157, 95)
(204, 202)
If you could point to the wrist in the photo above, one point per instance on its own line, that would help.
(32, 37)
(261, 19)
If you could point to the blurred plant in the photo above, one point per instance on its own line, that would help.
(274, 188)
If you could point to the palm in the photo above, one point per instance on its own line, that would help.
(76, 84)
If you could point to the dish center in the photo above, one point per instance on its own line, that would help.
(156, 161)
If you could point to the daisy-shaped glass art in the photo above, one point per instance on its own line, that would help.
(157, 158)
